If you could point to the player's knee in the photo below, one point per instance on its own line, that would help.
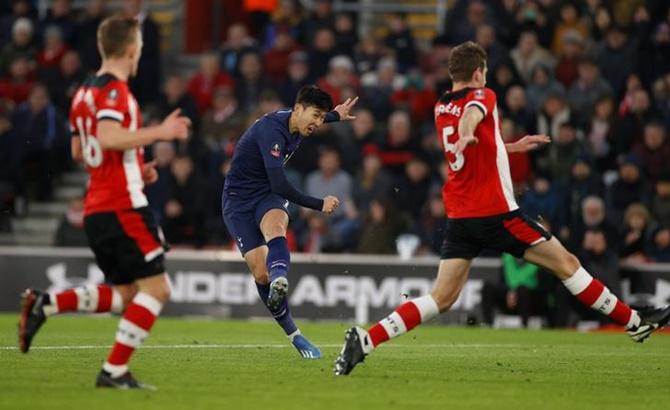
(274, 231)
(569, 265)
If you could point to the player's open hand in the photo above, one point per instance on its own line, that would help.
(149, 173)
(345, 108)
(529, 143)
(176, 126)
(463, 142)
(330, 204)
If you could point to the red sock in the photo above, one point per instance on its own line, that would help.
(591, 292)
(87, 298)
(133, 328)
(405, 318)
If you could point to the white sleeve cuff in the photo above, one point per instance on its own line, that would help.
(478, 105)
(109, 114)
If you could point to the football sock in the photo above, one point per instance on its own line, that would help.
(282, 315)
(133, 328)
(278, 258)
(405, 318)
(87, 298)
(593, 293)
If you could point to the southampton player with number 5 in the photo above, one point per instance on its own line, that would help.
(482, 213)
(106, 134)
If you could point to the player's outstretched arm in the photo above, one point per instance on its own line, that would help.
(280, 186)
(471, 117)
(527, 143)
(75, 149)
(113, 136)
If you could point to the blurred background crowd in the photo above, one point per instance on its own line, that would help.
(592, 74)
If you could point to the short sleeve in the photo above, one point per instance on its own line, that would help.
(272, 145)
(112, 102)
(482, 98)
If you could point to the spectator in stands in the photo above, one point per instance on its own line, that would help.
(630, 129)
(570, 22)
(373, 182)
(158, 192)
(379, 86)
(661, 94)
(345, 35)
(276, 59)
(15, 88)
(146, 83)
(659, 247)
(410, 190)
(656, 52)
(518, 292)
(223, 124)
(298, 76)
(175, 96)
(543, 202)
(401, 41)
(321, 17)
(183, 210)
(515, 107)
(54, 48)
(588, 88)
(566, 68)
(599, 256)
(20, 8)
(504, 77)
(64, 80)
(416, 97)
(60, 15)
(463, 20)
(400, 146)
(321, 52)
(542, 84)
(86, 40)
(70, 231)
(431, 227)
(496, 52)
(42, 131)
(21, 46)
(564, 150)
(290, 14)
(660, 202)
(251, 82)
(10, 160)
(209, 77)
(593, 215)
(355, 137)
(599, 134)
(317, 237)
(616, 57)
(628, 188)
(367, 53)
(381, 227)
(341, 74)
(528, 53)
(636, 231)
(582, 182)
(602, 21)
(654, 152)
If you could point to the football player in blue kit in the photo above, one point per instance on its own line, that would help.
(256, 195)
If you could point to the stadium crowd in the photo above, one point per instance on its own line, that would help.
(594, 75)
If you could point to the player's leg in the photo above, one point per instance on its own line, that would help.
(451, 277)
(591, 292)
(134, 327)
(273, 225)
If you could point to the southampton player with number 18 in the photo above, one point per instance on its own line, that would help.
(107, 135)
(482, 213)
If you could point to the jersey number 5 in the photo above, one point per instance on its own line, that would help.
(91, 149)
(451, 148)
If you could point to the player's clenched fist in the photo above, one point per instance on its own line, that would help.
(330, 204)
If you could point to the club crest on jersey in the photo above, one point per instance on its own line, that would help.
(276, 150)
(112, 97)
(479, 94)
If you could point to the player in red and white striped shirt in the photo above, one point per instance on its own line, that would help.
(107, 135)
(483, 213)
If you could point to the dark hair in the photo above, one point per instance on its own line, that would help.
(115, 34)
(311, 95)
(464, 59)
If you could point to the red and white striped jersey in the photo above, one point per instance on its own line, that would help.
(479, 182)
(115, 176)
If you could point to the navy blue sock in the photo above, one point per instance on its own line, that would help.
(279, 258)
(281, 315)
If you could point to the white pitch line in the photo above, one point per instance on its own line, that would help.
(267, 346)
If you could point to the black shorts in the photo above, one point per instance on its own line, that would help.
(512, 233)
(127, 244)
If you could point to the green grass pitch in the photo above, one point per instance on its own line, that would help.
(201, 364)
